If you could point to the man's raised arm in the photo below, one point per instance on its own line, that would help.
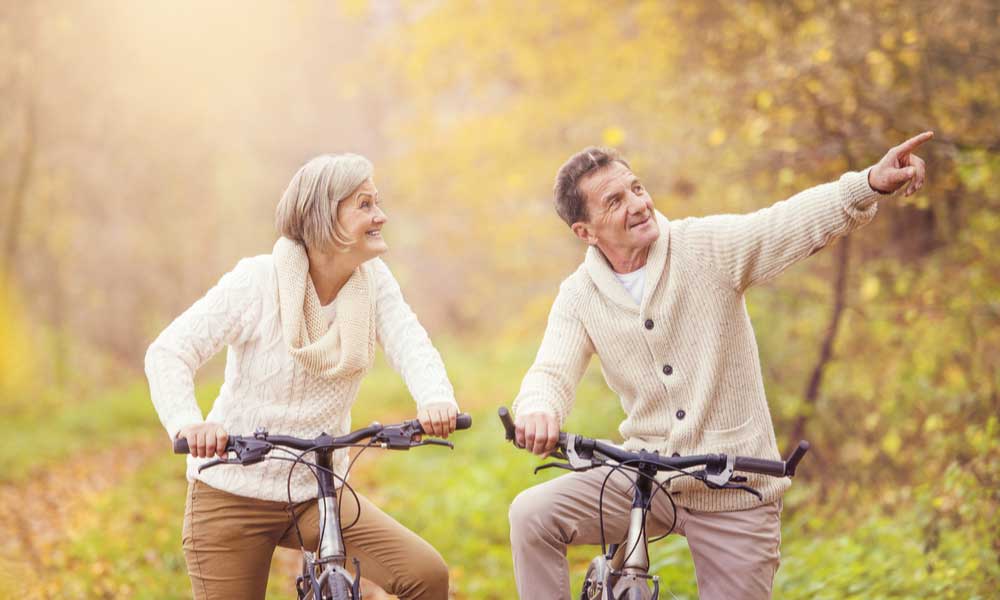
(752, 248)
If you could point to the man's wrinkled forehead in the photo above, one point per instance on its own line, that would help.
(606, 180)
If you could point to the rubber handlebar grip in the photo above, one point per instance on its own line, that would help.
(181, 446)
(774, 468)
(508, 422)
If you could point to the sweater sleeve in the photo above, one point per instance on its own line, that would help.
(407, 346)
(550, 384)
(224, 315)
(749, 249)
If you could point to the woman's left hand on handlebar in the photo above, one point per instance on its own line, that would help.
(438, 418)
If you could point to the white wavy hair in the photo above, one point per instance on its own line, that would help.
(307, 211)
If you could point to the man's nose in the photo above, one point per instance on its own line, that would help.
(635, 203)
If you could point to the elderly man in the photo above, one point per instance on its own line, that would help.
(662, 304)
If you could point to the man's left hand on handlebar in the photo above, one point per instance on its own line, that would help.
(438, 418)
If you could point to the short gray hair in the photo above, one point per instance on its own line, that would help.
(570, 202)
(307, 211)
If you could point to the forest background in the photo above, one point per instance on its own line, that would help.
(145, 145)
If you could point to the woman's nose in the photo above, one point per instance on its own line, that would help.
(380, 216)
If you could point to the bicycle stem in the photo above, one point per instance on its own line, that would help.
(636, 546)
(331, 539)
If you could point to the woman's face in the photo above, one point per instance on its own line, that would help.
(361, 217)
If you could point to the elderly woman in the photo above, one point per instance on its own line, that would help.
(300, 325)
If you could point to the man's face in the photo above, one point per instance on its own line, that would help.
(621, 219)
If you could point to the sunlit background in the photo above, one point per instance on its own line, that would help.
(145, 145)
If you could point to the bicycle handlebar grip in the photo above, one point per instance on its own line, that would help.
(508, 423)
(774, 468)
(793, 460)
(463, 421)
(181, 446)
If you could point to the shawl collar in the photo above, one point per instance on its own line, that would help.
(603, 275)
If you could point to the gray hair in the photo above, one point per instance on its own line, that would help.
(570, 202)
(307, 211)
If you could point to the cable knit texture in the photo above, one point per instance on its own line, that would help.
(346, 347)
(689, 345)
(266, 385)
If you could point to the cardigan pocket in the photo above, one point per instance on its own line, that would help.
(718, 440)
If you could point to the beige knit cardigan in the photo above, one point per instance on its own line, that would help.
(685, 363)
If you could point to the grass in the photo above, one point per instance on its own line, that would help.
(49, 431)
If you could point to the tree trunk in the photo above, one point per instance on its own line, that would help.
(826, 349)
(15, 216)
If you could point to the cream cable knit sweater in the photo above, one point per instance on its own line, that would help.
(264, 386)
(684, 363)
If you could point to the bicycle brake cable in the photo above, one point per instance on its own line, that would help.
(313, 468)
(357, 500)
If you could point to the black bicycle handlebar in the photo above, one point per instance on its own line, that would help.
(587, 446)
(463, 421)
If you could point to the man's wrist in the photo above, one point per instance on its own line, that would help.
(872, 186)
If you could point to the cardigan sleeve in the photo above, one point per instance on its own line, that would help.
(224, 315)
(550, 384)
(407, 346)
(749, 249)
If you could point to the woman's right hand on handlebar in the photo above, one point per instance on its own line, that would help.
(537, 432)
(205, 439)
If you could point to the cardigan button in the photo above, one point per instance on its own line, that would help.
(676, 454)
(680, 414)
(668, 370)
(649, 323)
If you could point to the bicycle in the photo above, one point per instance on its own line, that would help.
(324, 572)
(611, 577)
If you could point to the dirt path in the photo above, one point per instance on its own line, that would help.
(40, 508)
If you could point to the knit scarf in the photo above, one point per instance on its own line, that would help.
(347, 347)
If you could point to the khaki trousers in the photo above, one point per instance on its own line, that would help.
(228, 542)
(735, 553)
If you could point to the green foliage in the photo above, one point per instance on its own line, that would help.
(48, 429)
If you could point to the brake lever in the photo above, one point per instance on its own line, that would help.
(219, 461)
(432, 442)
(247, 450)
(556, 465)
(745, 488)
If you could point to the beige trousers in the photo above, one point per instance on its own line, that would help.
(228, 542)
(735, 553)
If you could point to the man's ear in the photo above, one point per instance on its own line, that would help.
(584, 232)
